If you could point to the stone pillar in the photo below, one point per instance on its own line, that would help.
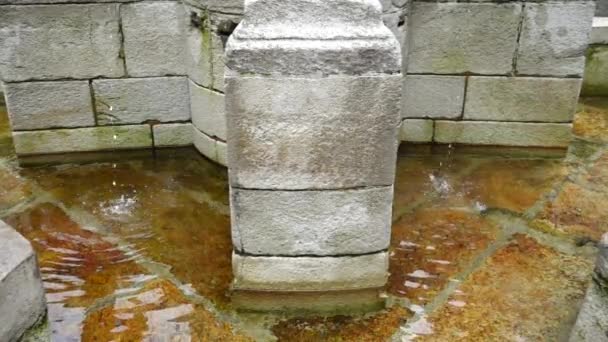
(312, 104)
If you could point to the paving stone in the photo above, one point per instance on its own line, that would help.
(554, 37)
(525, 291)
(205, 51)
(40, 105)
(154, 38)
(137, 100)
(429, 246)
(208, 111)
(417, 130)
(22, 303)
(466, 37)
(275, 273)
(179, 134)
(521, 99)
(82, 139)
(269, 41)
(595, 81)
(503, 133)
(426, 96)
(328, 222)
(299, 133)
(82, 41)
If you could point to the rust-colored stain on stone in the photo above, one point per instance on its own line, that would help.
(377, 327)
(156, 312)
(78, 266)
(525, 292)
(591, 121)
(162, 209)
(513, 184)
(430, 246)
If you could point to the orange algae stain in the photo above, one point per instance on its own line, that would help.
(14, 189)
(377, 327)
(77, 266)
(157, 312)
(513, 184)
(158, 207)
(580, 210)
(525, 291)
(591, 121)
(430, 246)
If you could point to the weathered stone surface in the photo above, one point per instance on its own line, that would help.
(311, 37)
(22, 301)
(417, 130)
(208, 111)
(426, 96)
(81, 41)
(298, 133)
(554, 37)
(463, 37)
(321, 223)
(595, 81)
(82, 139)
(39, 105)
(601, 266)
(222, 152)
(599, 31)
(205, 51)
(137, 100)
(521, 98)
(503, 133)
(592, 321)
(226, 6)
(154, 38)
(277, 273)
(179, 134)
(209, 147)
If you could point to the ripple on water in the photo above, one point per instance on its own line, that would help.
(455, 237)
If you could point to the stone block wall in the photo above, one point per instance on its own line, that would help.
(97, 75)
(474, 70)
(595, 82)
(494, 73)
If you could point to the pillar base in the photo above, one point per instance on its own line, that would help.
(310, 303)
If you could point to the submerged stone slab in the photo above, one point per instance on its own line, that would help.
(82, 139)
(40, 105)
(327, 222)
(312, 133)
(167, 135)
(154, 38)
(81, 41)
(208, 111)
(313, 37)
(503, 133)
(554, 38)
(428, 96)
(277, 273)
(22, 302)
(313, 302)
(452, 38)
(417, 130)
(137, 100)
(522, 98)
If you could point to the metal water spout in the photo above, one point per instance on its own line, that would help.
(312, 103)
